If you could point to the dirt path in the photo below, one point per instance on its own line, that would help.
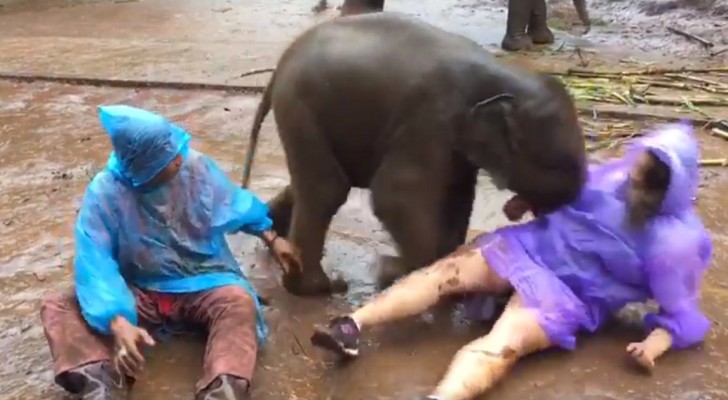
(51, 144)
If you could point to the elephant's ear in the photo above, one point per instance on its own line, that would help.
(499, 108)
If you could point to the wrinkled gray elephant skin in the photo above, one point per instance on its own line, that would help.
(412, 112)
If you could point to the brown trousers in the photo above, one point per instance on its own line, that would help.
(227, 312)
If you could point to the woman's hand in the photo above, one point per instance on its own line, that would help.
(636, 351)
(645, 353)
(129, 339)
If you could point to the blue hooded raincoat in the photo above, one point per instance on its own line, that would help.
(579, 265)
(170, 238)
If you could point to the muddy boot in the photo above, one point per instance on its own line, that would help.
(226, 387)
(516, 39)
(95, 381)
(341, 336)
(538, 28)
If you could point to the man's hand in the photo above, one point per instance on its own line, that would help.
(515, 208)
(128, 338)
(285, 254)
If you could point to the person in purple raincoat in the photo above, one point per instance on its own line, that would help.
(632, 235)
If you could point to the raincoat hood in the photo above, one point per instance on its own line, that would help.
(144, 142)
(675, 145)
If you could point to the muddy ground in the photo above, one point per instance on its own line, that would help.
(51, 145)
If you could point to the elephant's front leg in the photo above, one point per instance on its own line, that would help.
(519, 13)
(406, 198)
(457, 207)
(538, 28)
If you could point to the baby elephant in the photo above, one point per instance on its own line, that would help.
(412, 112)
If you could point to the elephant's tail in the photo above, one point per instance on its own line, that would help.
(583, 13)
(263, 109)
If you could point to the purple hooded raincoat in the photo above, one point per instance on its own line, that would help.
(579, 265)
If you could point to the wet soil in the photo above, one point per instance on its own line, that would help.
(51, 145)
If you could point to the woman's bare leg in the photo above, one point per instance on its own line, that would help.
(481, 363)
(465, 270)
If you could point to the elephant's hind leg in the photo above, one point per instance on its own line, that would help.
(319, 187)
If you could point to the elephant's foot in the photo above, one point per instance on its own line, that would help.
(516, 42)
(318, 284)
(541, 35)
(538, 28)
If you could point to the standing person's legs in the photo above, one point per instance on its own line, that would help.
(465, 270)
(81, 357)
(483, 362)
(229, 314)
(351, 7)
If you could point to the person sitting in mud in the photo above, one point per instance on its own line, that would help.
(151, 253)
(632, 235)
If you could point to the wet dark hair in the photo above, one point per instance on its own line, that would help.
(651, 191)
(657, 176)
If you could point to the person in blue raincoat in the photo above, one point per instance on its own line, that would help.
(151, 252)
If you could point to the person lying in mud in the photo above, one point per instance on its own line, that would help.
(631, 235)
(151, 253)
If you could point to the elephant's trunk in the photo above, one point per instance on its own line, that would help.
(583, 13)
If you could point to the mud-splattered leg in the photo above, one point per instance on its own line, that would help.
(461, 272)
(483, 362)
(229, 314)
(82, 357)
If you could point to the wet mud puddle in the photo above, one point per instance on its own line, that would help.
(43, 174)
